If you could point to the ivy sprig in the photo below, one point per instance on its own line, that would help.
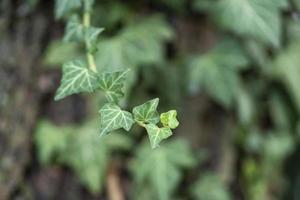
(81, 75)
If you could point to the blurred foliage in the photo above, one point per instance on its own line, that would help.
(159, 170)
(210, 187)
(251, 71)
(80, 149)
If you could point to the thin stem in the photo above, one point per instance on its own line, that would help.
(141, 124)
(90, 57)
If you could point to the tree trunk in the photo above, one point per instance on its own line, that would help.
(23, 36)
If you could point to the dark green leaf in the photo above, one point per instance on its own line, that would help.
(112, 84)
(76, 78)
(113, 118)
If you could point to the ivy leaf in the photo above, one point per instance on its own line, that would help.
(112, 84)
(76, 78)
(139, 43)
(146, 113)
(286, 69)
(256, 18)
(217, 72)
(113, 118)
(90, 37)
(160, 170)
(58, 53)
(90, 156)
(202, 188)
(156, 134)
(169, 120)
(51, 141)
(64, 6)
(80, 149)
(74, 30)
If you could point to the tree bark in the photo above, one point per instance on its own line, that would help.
(22, 40)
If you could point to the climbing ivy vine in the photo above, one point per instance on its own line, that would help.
(82, 75)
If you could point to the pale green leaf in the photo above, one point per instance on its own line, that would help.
(51, 141)
(160, 170)
(286, 69)
(146, 113)
(113, 118)
(64, 6)
(142, 42)
(217, 72)
(89, 156)
(76, 78)
(80, 149)
(169, 120)
(210, 186)
(297, 3)
(157, 134)
(255, 18)
(112, 84)
(74, 30)
(59, 52)
(90, 36)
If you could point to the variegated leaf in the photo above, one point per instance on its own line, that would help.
(113, 117)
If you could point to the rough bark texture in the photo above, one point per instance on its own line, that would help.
(22, 40)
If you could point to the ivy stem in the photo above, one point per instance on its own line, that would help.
(141, 124)
(89, 56)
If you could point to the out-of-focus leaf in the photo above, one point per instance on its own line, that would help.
(141, 43)
(77, 77)
(277, 147)
(90, 37)
(51, 141)
(147, 113)
(245, 106)
(218, 72)
(280, 112)
(286, 69)
(74, 29)
(159, 170)
(259, 19)
(81, 149)
(297, 3)
(59, 52)
(113, 118)
(89, 156)
(210, 186)
(64, 6)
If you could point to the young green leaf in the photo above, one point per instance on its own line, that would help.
(146, 113)
(156, 134)
(76, 78)
(63, 6)
(90, 37)
(112, 84)
(169, 119)
(113, 118)
(74, 30)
